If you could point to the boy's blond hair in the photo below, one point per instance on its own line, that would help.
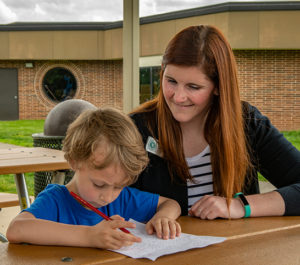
(112, 130)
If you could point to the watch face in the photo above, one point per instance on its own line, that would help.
(243, 198)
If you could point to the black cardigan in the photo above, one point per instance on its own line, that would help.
(271, 154)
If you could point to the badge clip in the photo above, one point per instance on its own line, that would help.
(153, 147)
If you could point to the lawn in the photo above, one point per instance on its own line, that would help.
(19, 133)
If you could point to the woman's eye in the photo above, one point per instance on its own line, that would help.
(194, 87)
(172, 81)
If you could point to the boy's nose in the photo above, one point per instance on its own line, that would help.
(107, 196)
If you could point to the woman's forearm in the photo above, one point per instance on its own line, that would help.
(266, 204)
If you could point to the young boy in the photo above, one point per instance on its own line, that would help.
(105, 150)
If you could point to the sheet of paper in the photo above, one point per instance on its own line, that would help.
(152, 247)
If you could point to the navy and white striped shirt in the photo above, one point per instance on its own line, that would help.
(200, 169)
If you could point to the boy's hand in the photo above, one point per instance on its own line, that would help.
(107, 234)
(164, 227)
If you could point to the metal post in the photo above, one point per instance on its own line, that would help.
(22, 191)
(59, 177)
(131, 53)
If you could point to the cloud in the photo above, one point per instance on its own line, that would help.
(62, 11)
(6, 14)
(88, 10)
(38, 10)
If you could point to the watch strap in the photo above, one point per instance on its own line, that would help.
(244, 202)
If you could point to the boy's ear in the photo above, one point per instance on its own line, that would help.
(73, 165)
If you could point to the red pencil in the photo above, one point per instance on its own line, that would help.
(77, 197)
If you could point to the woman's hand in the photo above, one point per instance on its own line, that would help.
(107, 234)
(164, 227)
(211, 207)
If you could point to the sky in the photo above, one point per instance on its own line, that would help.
(89, 10)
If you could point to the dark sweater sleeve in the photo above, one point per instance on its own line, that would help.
(276, 159)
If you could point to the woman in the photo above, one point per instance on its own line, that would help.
(205, 145)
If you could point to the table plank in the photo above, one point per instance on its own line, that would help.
(276, 248)
(279, 247)
(25, 159)
(33, 150)
(236, 227)
(21, 160)
(16, 254)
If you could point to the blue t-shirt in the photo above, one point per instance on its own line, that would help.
(55, 203)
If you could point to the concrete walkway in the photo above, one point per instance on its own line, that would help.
(5, 146)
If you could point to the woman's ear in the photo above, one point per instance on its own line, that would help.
(216, 91)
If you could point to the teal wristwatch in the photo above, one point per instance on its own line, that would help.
(244, 202)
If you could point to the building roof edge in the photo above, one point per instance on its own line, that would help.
(212, 9)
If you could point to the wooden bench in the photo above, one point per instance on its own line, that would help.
(11, 199)
(8, 200)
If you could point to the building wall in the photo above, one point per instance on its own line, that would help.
(269, 79)
(99, 82)
(243, 29)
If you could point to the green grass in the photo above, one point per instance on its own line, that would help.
(19, 133)
(293, 137)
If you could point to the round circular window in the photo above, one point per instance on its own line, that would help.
(59, 84)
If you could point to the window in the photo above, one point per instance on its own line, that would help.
(59, 84)
(149, 83)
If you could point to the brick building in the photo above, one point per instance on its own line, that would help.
(265, 37)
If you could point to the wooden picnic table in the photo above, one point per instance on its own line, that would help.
(264, 240)
(29, 159)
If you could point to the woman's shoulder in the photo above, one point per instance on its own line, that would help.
(141, 121)
(138, 116)
(254, 119)
(250, 111)
(145, 122)
(145, 111)
(142, 116)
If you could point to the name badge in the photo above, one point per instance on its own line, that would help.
(153, 147)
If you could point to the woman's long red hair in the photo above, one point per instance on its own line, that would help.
(205, 46)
